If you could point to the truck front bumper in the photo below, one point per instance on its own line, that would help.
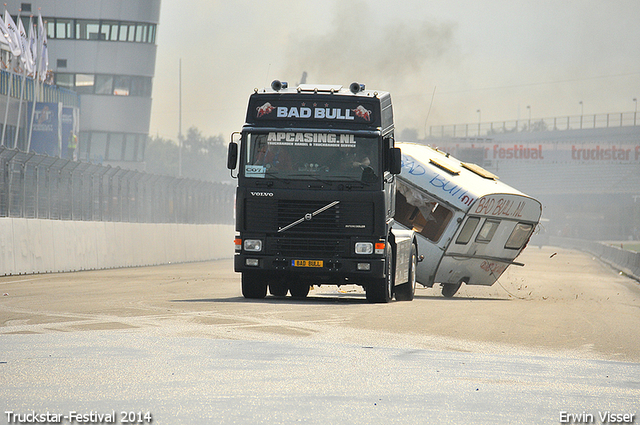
(318, 270)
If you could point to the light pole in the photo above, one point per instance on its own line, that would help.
(180, 118)
(529, 108)
(479, 121)
(635, 113)
(581, 113)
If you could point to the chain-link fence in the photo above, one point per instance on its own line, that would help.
(39, 186)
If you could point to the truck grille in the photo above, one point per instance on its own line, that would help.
(322, 247)
(345, 218)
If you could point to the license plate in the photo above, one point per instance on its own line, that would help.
(306, 263)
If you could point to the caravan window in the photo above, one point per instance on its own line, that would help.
(416, 210)
(488, 230)
(519, 236)
(467, 230)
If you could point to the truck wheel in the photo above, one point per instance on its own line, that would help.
(450, 289)
(278, 287)
(299, 290)
(406, 291)
(381, 290)
(253, 286)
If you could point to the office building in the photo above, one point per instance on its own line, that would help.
(105, 50)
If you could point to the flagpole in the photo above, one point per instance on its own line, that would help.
(36, 92)
(24, 80)
(180, 118)
(10, 32)
(6, 108)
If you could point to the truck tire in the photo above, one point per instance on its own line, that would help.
(299, 290)
(406, 291)
(278, 287)
(253, 286)
(381, 290)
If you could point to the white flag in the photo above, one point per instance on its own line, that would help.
(5, 37)
(25, 57)
(16, 50)
(44, 52)
(33, 44)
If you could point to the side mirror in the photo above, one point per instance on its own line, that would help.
(395, 160)
(232, 156)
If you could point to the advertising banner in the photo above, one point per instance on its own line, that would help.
(557, 152)
(46, 132)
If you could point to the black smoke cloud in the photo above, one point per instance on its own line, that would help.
(400, 57)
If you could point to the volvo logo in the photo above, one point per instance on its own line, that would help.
(261, 193)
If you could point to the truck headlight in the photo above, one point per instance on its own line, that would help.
(253, 245)
(364, 248)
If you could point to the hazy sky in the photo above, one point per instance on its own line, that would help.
(498, 56)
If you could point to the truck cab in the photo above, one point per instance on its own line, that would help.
(315, 202)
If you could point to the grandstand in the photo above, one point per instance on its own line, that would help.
(588, 179)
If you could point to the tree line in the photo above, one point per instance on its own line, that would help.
(203, 158)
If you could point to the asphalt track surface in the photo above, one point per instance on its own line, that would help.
(555, 338)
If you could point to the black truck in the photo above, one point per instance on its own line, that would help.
(315, 202)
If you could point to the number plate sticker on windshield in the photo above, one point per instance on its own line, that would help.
(307, 263)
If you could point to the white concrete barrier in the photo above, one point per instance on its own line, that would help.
(44, 246)
(625, 261)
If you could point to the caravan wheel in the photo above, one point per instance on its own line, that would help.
(450, 289)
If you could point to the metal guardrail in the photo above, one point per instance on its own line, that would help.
(627, 262)
(576, 122)
(47, 92)
(40, 186)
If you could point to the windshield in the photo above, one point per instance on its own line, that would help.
(312, 156)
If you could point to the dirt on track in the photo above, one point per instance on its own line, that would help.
(561, 301)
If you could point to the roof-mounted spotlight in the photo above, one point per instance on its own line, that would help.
(356, 87)
(278, 85)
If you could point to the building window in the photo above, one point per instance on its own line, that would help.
(104, 84)
(61, 63)
(51, 28)
(122, 86)
(116, 85)
(131, 32)
(115, 147)
(141, 86)
(130, 146)
(83, 145)
(110, 30)
(26, 7)
(99, 146)
(88, 30)
(65, 81)
(84, 83)
(64, 29)
(85, 29)
(152, 33)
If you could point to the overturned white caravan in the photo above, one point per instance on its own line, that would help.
(470, 227)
